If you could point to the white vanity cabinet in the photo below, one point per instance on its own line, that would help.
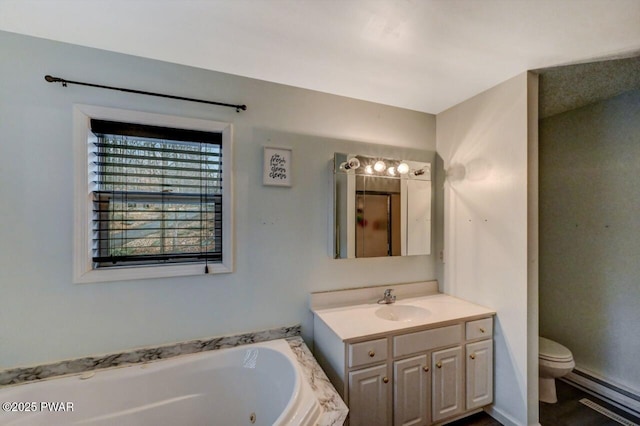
(448, 382)
(368, 383)
(479, 363)
(411, 391)
(418, 376)
(370, 396)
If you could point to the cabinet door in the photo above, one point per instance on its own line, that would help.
(370, 397)
(411, 391)
(447, 383)
(479, 374)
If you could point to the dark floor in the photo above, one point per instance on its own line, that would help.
(569, 411)
(480, 419)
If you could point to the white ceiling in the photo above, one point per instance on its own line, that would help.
(425, 55)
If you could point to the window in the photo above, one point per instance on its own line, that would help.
(158, 196)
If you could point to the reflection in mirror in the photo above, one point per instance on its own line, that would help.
(377, 216)
(382, 207)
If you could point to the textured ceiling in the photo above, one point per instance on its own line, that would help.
(570, 87)
(426, 55)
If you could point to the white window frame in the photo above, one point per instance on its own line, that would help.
(83, 270)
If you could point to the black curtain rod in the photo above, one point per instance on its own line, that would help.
(64, 82)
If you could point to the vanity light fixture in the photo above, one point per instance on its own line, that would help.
(379, 166)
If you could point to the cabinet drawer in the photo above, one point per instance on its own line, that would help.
(426, 340)
(479, 328)
(367, 352)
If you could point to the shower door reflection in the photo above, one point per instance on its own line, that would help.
(377, 224)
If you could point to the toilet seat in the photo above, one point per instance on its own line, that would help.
(553, 351)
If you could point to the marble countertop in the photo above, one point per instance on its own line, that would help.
(363, 320)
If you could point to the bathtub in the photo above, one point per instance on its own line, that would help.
(258, 384)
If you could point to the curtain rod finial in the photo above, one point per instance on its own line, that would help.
(52, 79)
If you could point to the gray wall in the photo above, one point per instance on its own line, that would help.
(590, 235)
(282, 234)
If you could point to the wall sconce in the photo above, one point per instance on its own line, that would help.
(455, 172)
(476, 170)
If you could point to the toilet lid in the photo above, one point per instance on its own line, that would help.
(553, 351)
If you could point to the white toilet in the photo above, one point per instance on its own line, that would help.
(554, 361)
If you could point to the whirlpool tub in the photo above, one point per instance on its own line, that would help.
(258, 384)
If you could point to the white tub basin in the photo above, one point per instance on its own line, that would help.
(253, 385)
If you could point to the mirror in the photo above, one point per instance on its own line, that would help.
(382, 207)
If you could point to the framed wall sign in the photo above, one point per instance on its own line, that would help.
(277, 166)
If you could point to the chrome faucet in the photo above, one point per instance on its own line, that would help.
(388, 297)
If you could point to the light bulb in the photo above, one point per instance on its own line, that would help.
(368, 170)
(403, 168)
(379, 166)
(391, 171)
(354, 163)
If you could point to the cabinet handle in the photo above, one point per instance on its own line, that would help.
(372, 354)
(439, 364)
(385, 379)
(481, 330)
(472, 356)
(426, 369)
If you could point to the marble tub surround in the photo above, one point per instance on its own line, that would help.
(14, 376)
(334, 409)
(359, 319)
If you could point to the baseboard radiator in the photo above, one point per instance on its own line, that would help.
(617, 395)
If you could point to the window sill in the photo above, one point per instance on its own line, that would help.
(147, 272)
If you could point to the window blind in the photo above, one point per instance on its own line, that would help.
(157, 194)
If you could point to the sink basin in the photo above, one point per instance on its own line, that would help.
(402, 313)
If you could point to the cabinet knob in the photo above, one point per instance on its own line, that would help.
(481, 330)
(472, 356)
(426, 369)
(372, 354)
(439, 364)
(385, 379)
